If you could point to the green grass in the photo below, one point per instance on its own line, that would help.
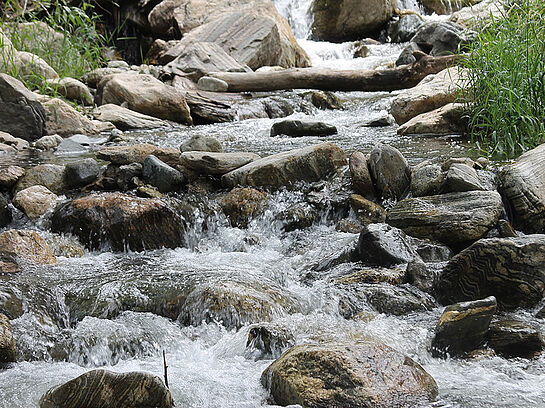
(77, 51)
(505, 88)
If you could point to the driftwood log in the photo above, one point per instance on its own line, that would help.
(327, 79)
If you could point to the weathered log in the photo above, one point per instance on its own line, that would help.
(327, 79)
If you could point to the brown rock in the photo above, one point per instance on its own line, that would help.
(241, 205)
(8, 353)
(21, 247)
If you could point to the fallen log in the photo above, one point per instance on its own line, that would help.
(326, 79)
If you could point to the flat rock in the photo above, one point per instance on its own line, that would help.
(126, 154)
(463, 327)
(102, 388)
(348, 375)
(35, 201)
(453, 218)
(523, 185)
(216, 163)
(461, 177)
(446, 120)
(126, 119)
(120, 221)
(299, 128)
(310, 164)
(390, 171)
(511, 269)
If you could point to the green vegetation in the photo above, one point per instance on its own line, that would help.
(71, 47)
(506, 81)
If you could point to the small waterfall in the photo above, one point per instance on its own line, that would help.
(297, 12)
(409, 5)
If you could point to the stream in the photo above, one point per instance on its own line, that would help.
(107, 309)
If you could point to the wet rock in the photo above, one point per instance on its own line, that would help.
(380, 244)
(5, 212)
(349, 226)
(454, 219)
(421, 276)
(126, 119)
(216, 163)
(81, 173)
(299, 128)
(427, 179)
(120, 221)
(22, 115)
(390, 171)
(447, 120)
(198, 59)
(348, 375)
(126, 154)
(394, 300)
(144, 94)
(201, 143)
(367, 212)
(349, 20)
(48, 142)
(462, 327)
(72, 89)
(102, 388)
(310, 164)
(21, 247)
(8, 353)
(325, 100)
(461, 177)
(514, 338)
(126, 174)
(506, 230)
(35, 201)
(64, 120)
(268, 341)
(47, 175)
(437, 38)
(432, 92)
(297, 216)
(457, 160)
(374, 275)
(523, 185)
(161, 175)
(361, 177)
(511, 269)
(405, 28)
(241, 205)
(446, 7)
(234, 303)
(431, 251)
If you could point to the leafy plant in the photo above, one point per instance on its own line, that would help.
(505, 84)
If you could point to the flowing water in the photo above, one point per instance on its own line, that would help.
(119, 310)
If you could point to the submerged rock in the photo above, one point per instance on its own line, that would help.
(268, 341)
(511, 269)
(106, 389)
(514, 338)
(463, 327)
(364, 374)
(8, 353)
(311, 163)
(453, 219)
(120, 221)
(201, 143)
(299, 128)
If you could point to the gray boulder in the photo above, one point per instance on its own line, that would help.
(453, 219)
(216, 163)
(461, 177)
(405, 28)
(47, 175)
(210, 84)
(310, 164)
(201, 143)
(361, 177)
(81, 173)
(390, 171)
(511, 269)
(22, 115)
(161, 175)
(383, 245)
(298, 128)
(463, 327)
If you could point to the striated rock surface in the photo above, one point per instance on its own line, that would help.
(310, 163)
(126, 119)
(523, 184)
(120, 221)
(511, 269)
(216, 163)
(106, 389)
(463, 327)
(453, 218)
(365, 374)
(514, 338)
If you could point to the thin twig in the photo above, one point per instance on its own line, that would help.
(165, 368)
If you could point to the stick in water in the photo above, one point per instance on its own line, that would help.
(165, 367)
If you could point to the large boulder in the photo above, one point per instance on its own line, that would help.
(339, 21)
(310, 164)
(432, 92)
(446, 120)
(216, 163)
(390, 171)
(64, 120)
(35, 201)
(383, 245)
(523, 185)
(126, 119)
(365, 374)
(32, 67)
(19, 248)
(22, 115)
(515, 338)
(120, 221)
(145, 94)
(47, 175)
(511, 269)
(462, 327)
(106, 389)
(8, 353)
(453, 219)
